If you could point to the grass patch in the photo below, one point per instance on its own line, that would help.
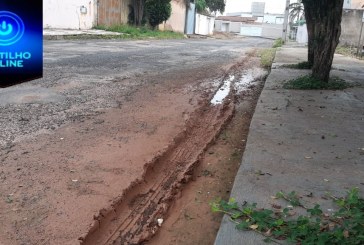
(267, 57)
(348, 51)
(308, 82)
(305, 65)
(317, 226)
(132, 32)
(278, 43)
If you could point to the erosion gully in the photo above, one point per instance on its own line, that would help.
(136, 217)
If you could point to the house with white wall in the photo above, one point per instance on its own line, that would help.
(69, 14)
(232, 23)
(84, 14)
(184, 19)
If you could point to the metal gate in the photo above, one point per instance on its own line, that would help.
(190, 20)
(112, 12)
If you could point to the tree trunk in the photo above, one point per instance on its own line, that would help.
(324, 28)
(310, 32)
(138, 11)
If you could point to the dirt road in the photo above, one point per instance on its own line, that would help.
(96, 150)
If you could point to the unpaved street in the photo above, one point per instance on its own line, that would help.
(96, 151)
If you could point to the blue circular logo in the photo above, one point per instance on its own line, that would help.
(11, 28)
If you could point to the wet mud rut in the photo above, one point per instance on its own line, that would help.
(139, 213)
(109, 169)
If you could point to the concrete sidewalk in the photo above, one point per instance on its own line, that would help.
(303, 141)
(60, 34)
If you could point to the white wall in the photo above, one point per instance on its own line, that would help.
(204, 24)
(263, 30)
(66, 14)
(302, 36)
(250, 30)
(347, 4)
(235, 27)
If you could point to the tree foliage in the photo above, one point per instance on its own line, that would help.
(296, 11)
(216, 5)
(158, 11)
(200, 5)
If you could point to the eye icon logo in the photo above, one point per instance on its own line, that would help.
(11, 28)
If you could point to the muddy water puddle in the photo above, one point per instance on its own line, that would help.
(223, 91)
(190, 221)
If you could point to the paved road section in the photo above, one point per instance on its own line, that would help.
(303, 141)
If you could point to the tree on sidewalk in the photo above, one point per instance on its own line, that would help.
(323, 18)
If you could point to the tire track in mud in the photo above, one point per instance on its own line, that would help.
(133, 219)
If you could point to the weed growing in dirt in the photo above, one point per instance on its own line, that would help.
(347, 51)
(267, 57)
(278, 43)
(308, 82)
(302, 65)
(345, 226)
(132, 32)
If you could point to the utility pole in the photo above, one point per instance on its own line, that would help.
(285, 23)
(361, 31)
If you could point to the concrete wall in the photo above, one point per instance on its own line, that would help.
(178, 18)
(204, 25)
(357, 4)
(350, 27)
(218, 24)
(235, 27)
(251, 30)
(229, 26)
(347, 4)
(263, 30)
(67, 14)
(302, 36)
(272, 30)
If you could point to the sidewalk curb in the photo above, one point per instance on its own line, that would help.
(309, 141)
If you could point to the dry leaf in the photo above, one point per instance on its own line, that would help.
(253, 227)
(346, 234)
